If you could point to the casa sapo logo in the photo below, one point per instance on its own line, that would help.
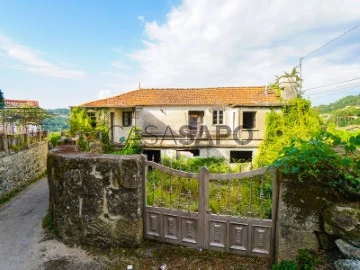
(187, 135)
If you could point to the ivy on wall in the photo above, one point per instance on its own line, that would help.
(296, 120)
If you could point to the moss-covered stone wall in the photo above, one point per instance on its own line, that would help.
(301, 205)
(19, 167)
(96, 199)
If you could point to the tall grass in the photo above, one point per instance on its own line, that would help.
(245, 197)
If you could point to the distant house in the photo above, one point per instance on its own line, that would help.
(11, 119)
(16, 103)
(223, 122)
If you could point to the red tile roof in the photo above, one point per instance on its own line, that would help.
(19, 103)
(250, 96)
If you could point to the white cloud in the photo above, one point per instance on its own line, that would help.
(30, 60)
(104, 94)
(119, 65)
(225, 42)
(141, 18)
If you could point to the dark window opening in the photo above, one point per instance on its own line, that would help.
(240, 156)
(195, 121)
(153, 155)
(195, 152)
(92, 116)
(249, 119)
(218, 117)
(188, 153)
(127, 119)
(112, 117)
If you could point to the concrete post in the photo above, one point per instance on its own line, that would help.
(4, 143)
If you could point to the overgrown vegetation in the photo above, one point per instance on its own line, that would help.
(133, 144)
(90, 129)
(54, 138)
(296, 119)
(236, 197)
(79, 121)
(305, 260)
(326, 158)
(285, 265)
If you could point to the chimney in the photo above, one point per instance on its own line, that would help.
(288, 86)
(266, 90)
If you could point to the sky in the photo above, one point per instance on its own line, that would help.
(64, 53)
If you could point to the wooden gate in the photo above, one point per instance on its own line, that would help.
(226, 212)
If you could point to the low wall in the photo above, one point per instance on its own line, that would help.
(18, 167)
(96, 199)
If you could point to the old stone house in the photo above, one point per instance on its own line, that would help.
(221, 122)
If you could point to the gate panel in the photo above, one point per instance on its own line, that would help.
(172, 226)
(178, 223)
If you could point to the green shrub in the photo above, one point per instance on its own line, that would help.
(133, 144)
(306, 259)
(317, 160)
(285, 265)
(54, 138)
(48, 223)
(83, 144)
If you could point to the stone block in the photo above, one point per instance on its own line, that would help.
(350, 251)
(343, 220)
(347, 265)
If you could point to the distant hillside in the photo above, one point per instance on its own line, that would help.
(340, 104)
(343, 113)
(59, 122)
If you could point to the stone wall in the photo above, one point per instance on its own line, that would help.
(18, 167)
(96, 199)
(299, 223)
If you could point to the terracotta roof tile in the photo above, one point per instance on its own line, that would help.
(19, 102)
(250, 96)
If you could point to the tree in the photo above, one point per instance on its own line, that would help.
(2, 103)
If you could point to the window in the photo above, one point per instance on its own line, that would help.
(240, 156)
(195, 121)
(92, 116)
(127, 119)
(218, 117)
(188, 153)
(153, 155)
(249, 119)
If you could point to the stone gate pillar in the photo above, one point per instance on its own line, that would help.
(301, 204)
(96, 199)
